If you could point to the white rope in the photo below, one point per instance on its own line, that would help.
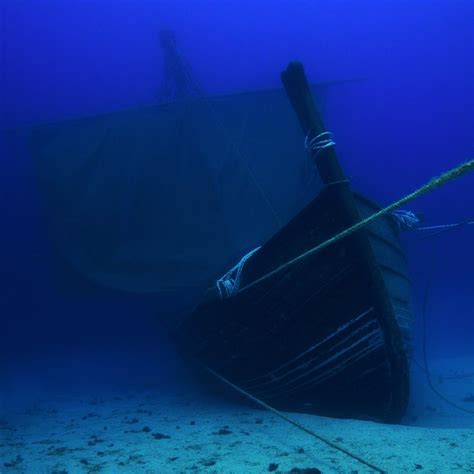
(406, 220)
(228, 285)
(444, 226)
(319, 142)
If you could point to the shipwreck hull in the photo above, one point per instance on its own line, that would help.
(314, 337)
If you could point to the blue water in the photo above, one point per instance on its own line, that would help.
(411, 118)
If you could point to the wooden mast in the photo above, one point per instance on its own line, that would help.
(299, 93)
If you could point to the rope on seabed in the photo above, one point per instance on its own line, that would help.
(295, 423)
(431, 185)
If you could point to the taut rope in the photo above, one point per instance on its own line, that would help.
(431, 185)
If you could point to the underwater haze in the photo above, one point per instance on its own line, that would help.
(137, 169)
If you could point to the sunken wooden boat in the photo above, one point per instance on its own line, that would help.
(330, 333)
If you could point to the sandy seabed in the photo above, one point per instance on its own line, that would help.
(149, 431)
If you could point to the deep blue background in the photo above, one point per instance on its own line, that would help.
(412, 118)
